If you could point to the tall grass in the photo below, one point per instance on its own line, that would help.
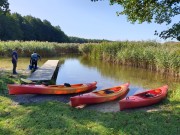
(164, 58)
(45, 49)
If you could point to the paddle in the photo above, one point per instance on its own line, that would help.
(67, 84)
(26, 80)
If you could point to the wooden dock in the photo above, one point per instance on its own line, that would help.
(45, 72)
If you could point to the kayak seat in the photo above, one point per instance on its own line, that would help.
(149, 95)
(67, 85)
(104, 92)
(108, 91)
(117, 89)
(158, 91)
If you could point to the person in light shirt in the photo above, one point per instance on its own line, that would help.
(34, 59)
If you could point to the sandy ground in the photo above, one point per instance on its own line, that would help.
(112, 106)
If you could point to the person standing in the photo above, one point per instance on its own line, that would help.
(34, 59)
(14, 60)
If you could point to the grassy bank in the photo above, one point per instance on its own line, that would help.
(52, 117)
(163, 58)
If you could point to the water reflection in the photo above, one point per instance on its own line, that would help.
(80, 70)
(23, 63)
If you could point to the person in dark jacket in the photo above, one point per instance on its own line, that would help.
(34, 59)
(14, 60)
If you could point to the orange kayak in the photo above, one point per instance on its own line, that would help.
(100, 96)
(146, 98)
(50, 89)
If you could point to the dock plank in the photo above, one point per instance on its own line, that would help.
(45, 72)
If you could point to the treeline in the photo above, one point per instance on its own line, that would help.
(13, 26)
(27, 28)
(83, 40)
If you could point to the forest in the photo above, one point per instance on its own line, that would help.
(14, 26)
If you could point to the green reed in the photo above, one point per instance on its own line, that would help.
(45, 49)
(164, 58)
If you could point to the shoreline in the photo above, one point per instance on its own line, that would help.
(105, 107)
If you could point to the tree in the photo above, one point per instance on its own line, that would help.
(9, 29)
(173, 32)
(159, 11)
(4, 7)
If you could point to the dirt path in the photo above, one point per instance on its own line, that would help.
(112, 106)
(103, 107)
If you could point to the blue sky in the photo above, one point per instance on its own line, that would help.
(86, 19)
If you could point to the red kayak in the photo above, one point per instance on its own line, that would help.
(146, 98)
(100, 96)
(50, 89)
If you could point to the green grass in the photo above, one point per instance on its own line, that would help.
(53, 117)
(59, 118)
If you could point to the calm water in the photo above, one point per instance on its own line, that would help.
(80, 70)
